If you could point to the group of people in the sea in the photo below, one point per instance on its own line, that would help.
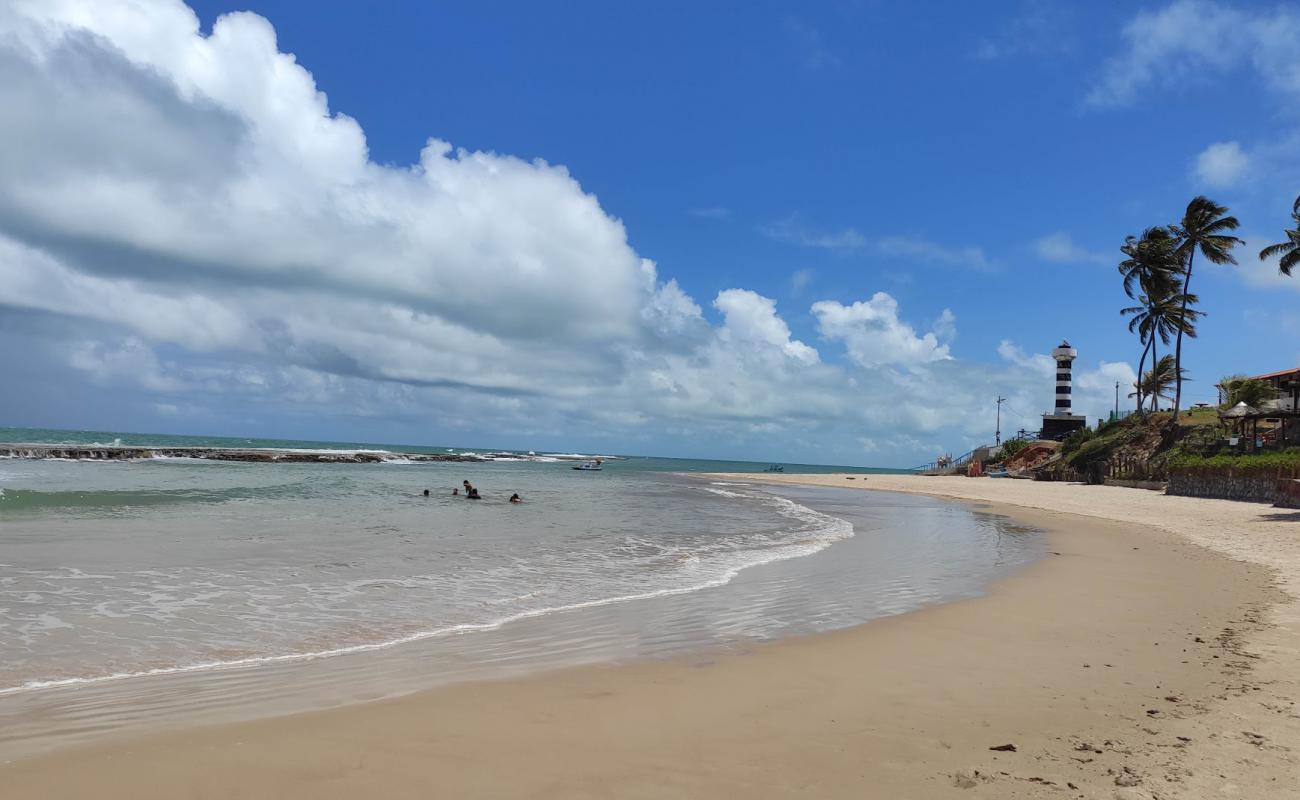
(471, 493)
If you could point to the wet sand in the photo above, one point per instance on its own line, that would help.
(1148, 660)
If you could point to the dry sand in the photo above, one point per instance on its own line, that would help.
(1137, 661)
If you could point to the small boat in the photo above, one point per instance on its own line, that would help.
(589, 466)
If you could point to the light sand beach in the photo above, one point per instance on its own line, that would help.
(1152, 654)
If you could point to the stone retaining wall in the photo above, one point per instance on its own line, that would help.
(1226, 485)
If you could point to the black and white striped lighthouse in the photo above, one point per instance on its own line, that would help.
(1061, 421)
(1064, 355)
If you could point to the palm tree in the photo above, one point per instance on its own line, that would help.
(1202, 228)
(1150, 270)
(1290, 249)
(1161, 319)
(1251, 391)
(1156, 382)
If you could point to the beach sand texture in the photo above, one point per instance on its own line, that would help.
(1152, 654)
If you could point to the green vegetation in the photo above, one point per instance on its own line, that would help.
(1288, 250)
(1202, 229)
(1087, 446)
(1157, 272)
(1250, 391)
(1157, 382)
(1151, 277)
(1282, 461)
(1009, 449)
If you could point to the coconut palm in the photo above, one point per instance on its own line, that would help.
(1251, 391)
(1161, 319)
(1288, 250)
(1150, 271)
(1157, 381)
(1202, 228)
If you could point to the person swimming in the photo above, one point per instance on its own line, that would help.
(473, 494)
(454, 492)
(515, 498)
(426, 492)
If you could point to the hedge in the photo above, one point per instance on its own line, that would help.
(1283, 461)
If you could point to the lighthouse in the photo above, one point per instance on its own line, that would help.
(1064, 356)
(1062, 421)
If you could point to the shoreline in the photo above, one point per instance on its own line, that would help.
(900, 706)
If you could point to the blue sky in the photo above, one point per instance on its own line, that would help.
(207, 247)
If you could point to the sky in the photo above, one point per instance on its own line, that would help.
(818, 232)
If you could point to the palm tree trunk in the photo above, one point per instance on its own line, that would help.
(1178, 347)
(1155, 393)
(1142, 363)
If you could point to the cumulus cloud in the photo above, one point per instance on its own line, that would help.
(751, 318)
(1221, 165)
(875, 336)
(185, 219)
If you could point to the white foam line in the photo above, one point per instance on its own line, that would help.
(797, 510)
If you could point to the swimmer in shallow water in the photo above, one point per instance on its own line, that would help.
(473, 494)
(515, 498)
(454, 491)
(426, 492)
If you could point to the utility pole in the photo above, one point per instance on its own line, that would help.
(998, 436)
(1116, 399)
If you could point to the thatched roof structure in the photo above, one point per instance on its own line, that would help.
(1241, 411)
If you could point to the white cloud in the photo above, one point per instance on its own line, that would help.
(1189, 38)
(1040, 29)
(1254, 272)
(848, 240)
(945, 327)
(791, 231)
(799, 280)
(875, 336)
(751, 319)
(182, 216)
(927, 251)
(1061, 249)
(1221, 165)
(1037, 362)
(129, 360)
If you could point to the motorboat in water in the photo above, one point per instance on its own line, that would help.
(589, 466)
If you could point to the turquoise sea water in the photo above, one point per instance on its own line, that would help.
(632, 462)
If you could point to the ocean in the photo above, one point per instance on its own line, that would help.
(133, 592)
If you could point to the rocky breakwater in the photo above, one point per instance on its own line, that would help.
(131, 453)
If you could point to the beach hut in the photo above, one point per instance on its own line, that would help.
(1239, 415)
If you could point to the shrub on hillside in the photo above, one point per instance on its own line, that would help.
(1009, 449)
(1075, 440)
(1283, 461)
